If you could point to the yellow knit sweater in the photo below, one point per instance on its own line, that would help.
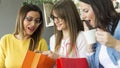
(13, 51)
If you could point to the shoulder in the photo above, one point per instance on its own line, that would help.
(80, 35)
(42, 45)
(7, 36)
(5, 39)
(42, 40)
(52, 37)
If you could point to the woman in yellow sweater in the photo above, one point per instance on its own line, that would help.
(27, 36)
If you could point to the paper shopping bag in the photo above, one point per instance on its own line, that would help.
(72, 63)
(46, 62)
(37, 60)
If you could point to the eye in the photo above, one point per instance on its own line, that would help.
(29, 19)
(37, 20)
(53, 17)
(85, 10)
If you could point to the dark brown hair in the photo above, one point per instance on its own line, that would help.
(106, 16)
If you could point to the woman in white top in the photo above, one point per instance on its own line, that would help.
(68, 40)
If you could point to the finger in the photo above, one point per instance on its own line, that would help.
(37, 51)
(98, 29)
(100, 32)
(51, 55)
(85, 26)
(45, 52)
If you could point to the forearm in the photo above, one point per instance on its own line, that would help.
(117, 45)
(113, 43)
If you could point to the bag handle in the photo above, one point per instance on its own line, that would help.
(31, 44)
(74, 47)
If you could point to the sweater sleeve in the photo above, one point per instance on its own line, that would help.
(2, 52)
(43, 45)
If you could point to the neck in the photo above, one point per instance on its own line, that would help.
(22, 38)
(66, 34)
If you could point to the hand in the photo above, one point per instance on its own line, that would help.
(51, 54)
(105, 38)
(85, 26)
(37, 51)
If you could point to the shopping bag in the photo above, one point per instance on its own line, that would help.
(72, 63)
(37, 60)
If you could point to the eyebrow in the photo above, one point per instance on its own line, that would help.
(33, 17)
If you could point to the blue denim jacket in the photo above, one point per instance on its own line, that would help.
(114, 55)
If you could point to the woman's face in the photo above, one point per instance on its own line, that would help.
(60, 23)
(87, 13)
(31, 22)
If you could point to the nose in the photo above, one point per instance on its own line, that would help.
(33, 23)
(83, 16)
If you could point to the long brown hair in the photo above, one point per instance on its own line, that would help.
(66, 10)
(19, 24)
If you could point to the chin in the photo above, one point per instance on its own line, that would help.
(58, 28)
(30, 33)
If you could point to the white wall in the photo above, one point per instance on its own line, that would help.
(8, 13)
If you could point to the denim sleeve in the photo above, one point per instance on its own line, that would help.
(91, 61)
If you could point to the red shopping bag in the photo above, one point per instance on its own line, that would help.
(37, 60)
(72, 63)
